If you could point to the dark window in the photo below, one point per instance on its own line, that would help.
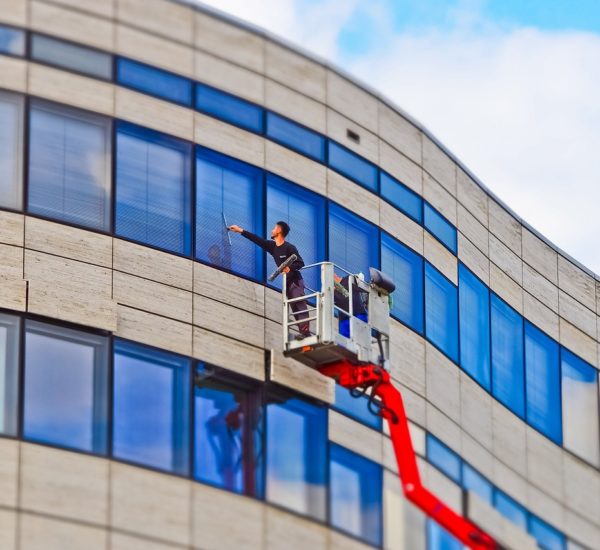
(66, 387)
(71, 57)
(443, 458)
(352, 166)
(10, 326)
(355, 487)
(229, 108)
(153, 188)
(296, 137)
(11, 150)
(355, 407)
(401, 197)
(69, 165)
(441, 312)
(474, 315)
(475, 482)
(153, 81)
(12, 41)
(439, 227)
(510, 509)
(546, 536)
(405, 267)
(228, 191)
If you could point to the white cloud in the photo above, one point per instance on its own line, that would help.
(517, 105)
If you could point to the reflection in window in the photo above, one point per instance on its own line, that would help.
(405, 268)
(356, 407)
(508, 374)
(69, 165)
(543, 383)
(474, 315)
(66, 387)
(441, 312)
(296, 460)
(352, 166)
(439, 227)
(11, 150)
(401, 197)
(12, 41)
(227, 438)
(9, 373)
(439, 539)
(151, 407)
(443, 458)
(228, 192)
(580, 407)
(546, 536)
(153, 188)
(510, 509)
(296, 137)
(475, 482)
(355, 495)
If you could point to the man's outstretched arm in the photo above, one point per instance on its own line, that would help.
(263, 243)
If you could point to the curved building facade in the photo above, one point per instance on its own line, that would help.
(144, 398)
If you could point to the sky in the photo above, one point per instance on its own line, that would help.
(511, 87)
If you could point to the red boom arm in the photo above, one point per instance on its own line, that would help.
(392, 409)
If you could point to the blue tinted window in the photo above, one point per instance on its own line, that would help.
(510, 509)
(405, 267)
(11, 150)
(441, 312)
(304, 212)
(151, 412)
(296, 137)
(474, 481)
(66, 380)
(153, 81)
(439, 539)
(401, 196)
(474, 315)
(296, 459)
(355, 495)
(356, 407)
(9, 373)
(546, 536)
(229, 108)
(69, 165)
(12, 41)
(227, 436)
(508, 374)
(543, 383)
(228, 192)
(153, 189)
(353, 242)
(443, 458)
(439, 227)
(352, 166)
(580, 407)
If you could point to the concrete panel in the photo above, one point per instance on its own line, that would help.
(407, 357)
(11, 262)
(13, 293)
(439, 198)
(445, 429)
(229, 140)
(577, 283)
(12, 228)
(352, 101)
(337, 541)
(477, 455)
(582, 488)
(13, 73)
(506, 288)
(471, 228)
(352, 196)
(510, 438)
(355, 436)
(441, 486)
(400, 167)
(578, 315)
(294, 105)
(149, 503)
(41, 533)
(578, 342)
(9, 472)
(580, 529)
(540, 256)
(439, 165)
(473, 258)
(472, 197)
(273, 307)
(400, 226)
(105, 8)
(476, 411)
(400, 133)
(545, 464)
(337, 127)
(546, 507)
(8, 529)
(62, 483)
(68, 242)
(541, 288)
(154, 330)
(505, 227)
(283, 530)
(230, 354)
(510, 482)
(443, 386)
(506, 260)
(14, 12)
(414, 404)
(121, 541)
(541, 316)
(441, 258)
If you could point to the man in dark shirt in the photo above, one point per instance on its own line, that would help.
(281, 251)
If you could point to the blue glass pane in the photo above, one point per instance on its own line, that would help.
(474, 315)
(401, 196)
(10, 327)
(153, 81)
(508, 374)
(443, 458)
(12, 41)
(474, 481)
(153, 188)
(546, 536)
(11, 150)
(439, 227)
(229, 108)
(353, 242)
(543, 383)
(356, 408)
(355, 495)
(228, 192)
(69, 165)
(352, 166)
(441, 312)
(151, 412)
(510, 509)
(580, 407)
(405, 267)
(296, 472)
(439, 539)
(66, 380)
(296, 137)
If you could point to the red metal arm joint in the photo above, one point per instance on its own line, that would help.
(353, 376)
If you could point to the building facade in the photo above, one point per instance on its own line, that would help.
(144, 398)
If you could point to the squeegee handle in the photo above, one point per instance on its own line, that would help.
(279, 270)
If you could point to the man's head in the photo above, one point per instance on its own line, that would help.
(280, 229)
